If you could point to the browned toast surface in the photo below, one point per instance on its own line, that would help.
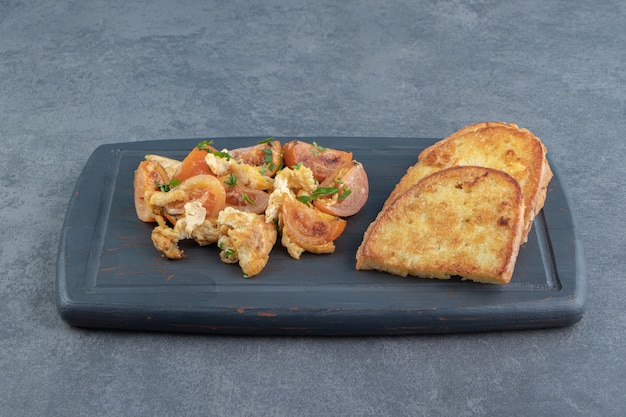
(465, 221)
(497, 145)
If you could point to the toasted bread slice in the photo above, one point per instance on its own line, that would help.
(497, 145)
(462, 221)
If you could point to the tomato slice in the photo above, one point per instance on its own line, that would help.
(194, 163)
(247, 199)
(204, 188)
(353, 191)
(309, 227)
(322, 161)
(147, 175)
(267, 155)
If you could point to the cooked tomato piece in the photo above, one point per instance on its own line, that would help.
(268, 155)
(204, 188)
(308, 226)
(147, 178)
(352, 191)
(322, 161)
(247, 199)
(194, 163)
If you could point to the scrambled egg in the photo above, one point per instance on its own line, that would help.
(170, 165)
(245, 238)
(192, 225)
(218, 165)
(247, 175)
(292, 247)
(162, 199)
(251, 177)
(287, 183)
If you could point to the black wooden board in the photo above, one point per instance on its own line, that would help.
(110, 276)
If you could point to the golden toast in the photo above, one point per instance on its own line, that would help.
(465, 221)
(497, 145)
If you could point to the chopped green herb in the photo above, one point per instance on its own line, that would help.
(205, 145)
(345, 191)
(167, 186)
(220, 154)
(269, 156)
(316, 149)
(246, 199)
(230, 252)
(268, 140)
(321, 148)
(317, 193)
(231, 181)
(297, 166)
(325, 192)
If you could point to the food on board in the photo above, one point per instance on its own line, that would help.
(455, 212)
(245, 198)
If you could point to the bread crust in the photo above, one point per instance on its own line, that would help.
(498, 145)
(461, 221)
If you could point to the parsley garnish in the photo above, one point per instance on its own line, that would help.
(228, 251)
(346, 192)
(318, 192)
(316, 149)
(246, 199)
(165, 187)
(268, 160)
(231, 181)
(206, 146)
(325, 192)
(268, 140)
(220, 154)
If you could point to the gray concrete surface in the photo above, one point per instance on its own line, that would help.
(74, 75)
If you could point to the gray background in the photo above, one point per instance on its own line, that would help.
(74, 75)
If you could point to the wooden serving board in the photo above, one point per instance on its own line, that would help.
(110, 276)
